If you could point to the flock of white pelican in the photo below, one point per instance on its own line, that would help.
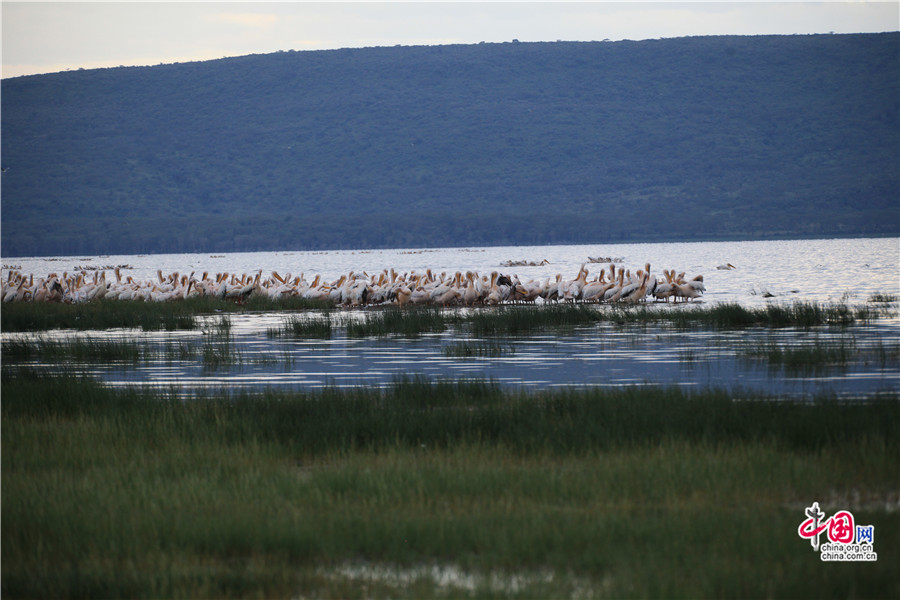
(609, 285)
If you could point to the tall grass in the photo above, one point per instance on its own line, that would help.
(285, 303)
(302, 327)
(418, 411)
(409, 322)
(882, 297)
(518, 320)
(102, 314)
(642, 492)
(219, 349)
(78, 349)
(91, 350)
(149, 316)
(504, 320)
(821, 355)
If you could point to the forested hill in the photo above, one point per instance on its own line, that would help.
(487, 144)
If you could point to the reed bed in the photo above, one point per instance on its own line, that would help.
(102, 314)
(218, 346)
(78, 349)
(519, 320)
(817, 356)
(215, 351)
(436, 488)
(417, 411)
(883, 297)
(479, 334)
(410, 322)
(148, 316)
(507, 320)
(302, 327)
(821, 353)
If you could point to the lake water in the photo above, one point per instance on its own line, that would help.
(845, 270)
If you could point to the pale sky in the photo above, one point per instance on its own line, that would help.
(45, 37)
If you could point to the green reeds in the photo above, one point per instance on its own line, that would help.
(818, 356)
(302, 327)
(219, 349)
(100, 314)
(91, 350)
(821, 354)
(504, 320)
(284, 303)
(797, 314)
(626, 493)
(149, 316)
(77, 349)
(882, 298)
(518, 320)
(415, 411)
(409, 322)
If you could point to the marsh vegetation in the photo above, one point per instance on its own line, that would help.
(186, 314)
(340, 493)
(533, 345)
(441, 487)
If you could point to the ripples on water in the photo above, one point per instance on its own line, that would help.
(598, 355)
(601, 355)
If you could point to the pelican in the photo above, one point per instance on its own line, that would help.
(636, 294)
(402, 294)
(494, 294)
(628, 289)
(614, 291)
(470, 296)
(689, 289)
(594, 290)
(357, 289)
(666, 290)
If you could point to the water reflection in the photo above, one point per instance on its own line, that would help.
(854, 362)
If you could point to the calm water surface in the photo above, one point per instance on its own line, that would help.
(602, 355)
(849, 271)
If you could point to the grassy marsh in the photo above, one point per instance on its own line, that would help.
(87, 350)
(148, 316)
(216, 349)
(882, 298)
(818, 355)
(629, 493)
(302, 327)
(506, 320)
(407, 322)
(822, 353)
(78, 349)
(102, 314)
(440, 488)
(484, 333)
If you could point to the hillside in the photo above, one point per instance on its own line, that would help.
(516, 143)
